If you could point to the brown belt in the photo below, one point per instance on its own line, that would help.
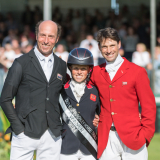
(113, 128)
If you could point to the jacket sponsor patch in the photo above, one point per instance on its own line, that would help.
(124, 83)
(59, 76)
(92, 97)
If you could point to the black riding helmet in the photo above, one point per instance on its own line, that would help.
(80, 56)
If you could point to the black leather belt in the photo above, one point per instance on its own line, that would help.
(113, 128)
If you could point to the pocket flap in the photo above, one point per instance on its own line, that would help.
(27, 111)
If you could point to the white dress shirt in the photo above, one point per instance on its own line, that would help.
(77, 89)
(112, 67)
(46, 62)
(141, 59)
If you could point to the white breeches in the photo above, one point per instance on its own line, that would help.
(117, 150)
(47, 147)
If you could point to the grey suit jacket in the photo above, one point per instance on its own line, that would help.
(36, 106)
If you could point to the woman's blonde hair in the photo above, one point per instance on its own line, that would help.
(143, 46)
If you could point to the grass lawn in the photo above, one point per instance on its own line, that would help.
(154, 148)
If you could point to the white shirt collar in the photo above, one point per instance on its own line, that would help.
(119, 58)
(41, 56)
(113, 66)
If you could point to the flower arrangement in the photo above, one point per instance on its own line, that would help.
(4, 146)
(4, 139)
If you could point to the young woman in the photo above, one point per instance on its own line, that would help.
(84, 99)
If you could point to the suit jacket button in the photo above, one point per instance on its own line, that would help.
(110, 86)
(47, 99)
(111, 100)
(77, 104)
(112, 113)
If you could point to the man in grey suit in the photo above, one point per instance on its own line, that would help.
(35, 80)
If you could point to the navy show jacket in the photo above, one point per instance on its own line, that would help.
(87, 107)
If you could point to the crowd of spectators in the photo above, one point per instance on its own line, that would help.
(79, 29)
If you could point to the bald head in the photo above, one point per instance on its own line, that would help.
(47, 35)
(50, 23)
